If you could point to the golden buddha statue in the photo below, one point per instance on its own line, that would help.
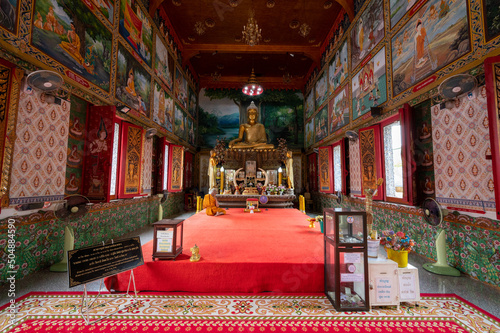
(251, 134)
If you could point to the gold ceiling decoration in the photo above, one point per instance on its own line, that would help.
(176, 2)
(287, 78)
(191, 38)
(220, 66)
(265, 57)
(327, 4)
(312, 40)
(304, 30)
(251, 31)
(209, 22)
(215, 76)
(199, 28)
(267, 40)
(294, 24)
(237, 39)
(270, 3)
(239, 57)
(234, 3)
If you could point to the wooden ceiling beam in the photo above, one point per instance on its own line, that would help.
(191, 50)
(348, 6)
(238, 82)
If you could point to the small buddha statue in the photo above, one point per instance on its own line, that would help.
(195, 253)
(252, 134)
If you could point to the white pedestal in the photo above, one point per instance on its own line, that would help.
(409, 285)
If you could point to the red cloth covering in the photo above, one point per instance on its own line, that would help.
(240, 253)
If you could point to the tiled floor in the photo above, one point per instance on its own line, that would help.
(480, 294)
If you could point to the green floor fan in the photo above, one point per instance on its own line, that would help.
(75, 207)
(434, 214)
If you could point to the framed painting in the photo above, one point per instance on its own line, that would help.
(180, 123)
(163, 107)
(367, 32)
(321, 124)
(130, 164)
(309, 133)
(321, 91)
(71, 34)
(398, 9)
(164, 64)
(436, 35)
(181, 88)
(491, 19)
(135, 27)
(338, 110)
(192, 102)
(325, 170)
(191, 139)
(369, 85)
(133, 82)
(309, 109)
(9, 15)
(176, 168)
(337, 70)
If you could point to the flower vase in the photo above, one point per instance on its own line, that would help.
(401, 257)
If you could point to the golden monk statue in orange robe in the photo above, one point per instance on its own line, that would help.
(251, 134)
(211, 204)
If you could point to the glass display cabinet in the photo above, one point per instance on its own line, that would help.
(346, 261)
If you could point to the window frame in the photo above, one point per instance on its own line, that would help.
(403, 116)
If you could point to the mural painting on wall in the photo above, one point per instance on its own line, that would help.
(325, 169)
(133, 82)
(310, 104)
(164, 63)
(163, 108)
(176, 168)
(354, 167)
(434, 37)
(491, 18)
(136, 29)
(339, 110)
(98, 148)
(369, 85)
(8, 14)
(180, 88)
(399, 8)
(133, 157)
(147, 166)
(367, 32)
(321, 91)
(192, 103)
(337, 71)
(70, 33)
(283, 121)
(180, 123)
(76, 143)
(321, 124)
(309, 140)
(191, 132)
(217, 118)
(463, 132)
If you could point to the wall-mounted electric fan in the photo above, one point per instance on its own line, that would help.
(75, 206)
(434, 214)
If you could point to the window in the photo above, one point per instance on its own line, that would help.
(114, 162)
(339, 166)
(384, 151)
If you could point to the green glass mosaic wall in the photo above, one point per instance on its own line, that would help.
(473, 243)
(40, 236)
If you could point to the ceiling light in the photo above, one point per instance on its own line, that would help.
(252, 88)
(251, 32)
(123, 108)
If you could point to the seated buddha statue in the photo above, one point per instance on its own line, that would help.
(251, 134)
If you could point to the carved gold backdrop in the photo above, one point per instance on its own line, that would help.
(176, 165)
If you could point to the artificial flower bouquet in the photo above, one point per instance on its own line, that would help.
(397, 241)
(280, 189)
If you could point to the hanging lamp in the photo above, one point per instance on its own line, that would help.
(252, 87)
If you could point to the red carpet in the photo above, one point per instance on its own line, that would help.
(40, 312)
(274, 250)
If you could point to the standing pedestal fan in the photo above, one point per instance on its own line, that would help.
(434, 214)
(76, 207)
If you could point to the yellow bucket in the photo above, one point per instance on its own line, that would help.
(401, 257)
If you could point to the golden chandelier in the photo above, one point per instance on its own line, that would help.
(251, 32)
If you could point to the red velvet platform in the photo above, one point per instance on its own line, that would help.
(273, 251)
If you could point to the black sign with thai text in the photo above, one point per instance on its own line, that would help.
(95, 262)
